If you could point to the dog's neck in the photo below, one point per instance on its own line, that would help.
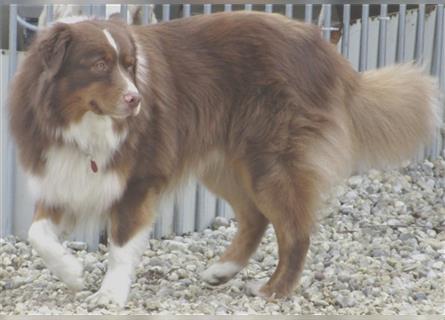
(96, 137)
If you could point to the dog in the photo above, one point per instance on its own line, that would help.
(109, 117)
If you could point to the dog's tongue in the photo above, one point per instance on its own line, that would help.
(93, 166)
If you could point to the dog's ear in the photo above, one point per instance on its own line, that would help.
(53, 47)
(116, 17)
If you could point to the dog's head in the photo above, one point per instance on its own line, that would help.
(89, 66)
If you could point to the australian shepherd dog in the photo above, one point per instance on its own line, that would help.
(261, 109)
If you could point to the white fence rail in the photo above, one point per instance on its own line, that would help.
(370, 42)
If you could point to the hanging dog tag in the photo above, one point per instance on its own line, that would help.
(93, 166)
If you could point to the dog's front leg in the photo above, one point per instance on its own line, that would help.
(47, 226)
(130, 223)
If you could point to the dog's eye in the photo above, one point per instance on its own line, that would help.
(130, 68)
(129, 64)
(100, 66)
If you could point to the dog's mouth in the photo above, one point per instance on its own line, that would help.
(120, 112)
(96, 108)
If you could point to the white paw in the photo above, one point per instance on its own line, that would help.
(253, 288)
(220, 272)
(105, 297)
(70, 271)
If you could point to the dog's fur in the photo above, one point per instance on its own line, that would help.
(264, 111)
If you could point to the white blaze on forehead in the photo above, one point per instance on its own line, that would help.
(110, 40)
(130, 85)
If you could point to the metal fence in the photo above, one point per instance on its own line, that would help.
(412, 33)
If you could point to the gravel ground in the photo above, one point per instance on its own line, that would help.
(380, 248)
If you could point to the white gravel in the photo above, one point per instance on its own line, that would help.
(379, 249)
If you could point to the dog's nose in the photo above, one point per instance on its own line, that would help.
(132, 99)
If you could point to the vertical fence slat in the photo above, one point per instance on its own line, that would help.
(145, 14)
(438, 41)
(166, 213)
(268, 8)
(186, 10)
(364, 32)
(400, 47)
(165, 12)
(12, 39)
(420, 28)
(205, 208)
(98, 10)
(289, 10)
(326, 21)
(49, 14)
(441, 65)
(436, 68)
(346, 28)
(87, 10)
(308, 13)
(227, 7)
(383, 20)
(8, 158)
(124, 12)
(419, 50)
(5, 217)
(185, 208)
(224, 209)
(207, 8)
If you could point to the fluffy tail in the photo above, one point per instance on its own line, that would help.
(395, 112)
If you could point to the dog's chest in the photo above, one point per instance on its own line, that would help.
(70, 182)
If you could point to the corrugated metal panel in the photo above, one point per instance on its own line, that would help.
(205, 208)
(437, 69)
(7, 146)
(346, 25)
(381, 59)
(308, 13)
(185, 209)
(5, 194)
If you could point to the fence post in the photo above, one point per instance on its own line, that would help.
(7, 148)
(326, 21)
(437, 68)
(400, 48)
(308, 13)
(420, 27)
(186, 10)
(49, 14)
(207, 8)
(165, 12)
(383, 17)
(346, 24)
(289, 11)
(363, 59)
(124, 12)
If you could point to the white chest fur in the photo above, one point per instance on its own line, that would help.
(69, 181)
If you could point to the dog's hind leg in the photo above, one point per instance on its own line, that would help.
(251, 227)
(44, 233)
(287, 198)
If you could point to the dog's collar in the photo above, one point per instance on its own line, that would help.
(93, 165)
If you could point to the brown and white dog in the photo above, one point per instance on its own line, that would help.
(108, 117)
